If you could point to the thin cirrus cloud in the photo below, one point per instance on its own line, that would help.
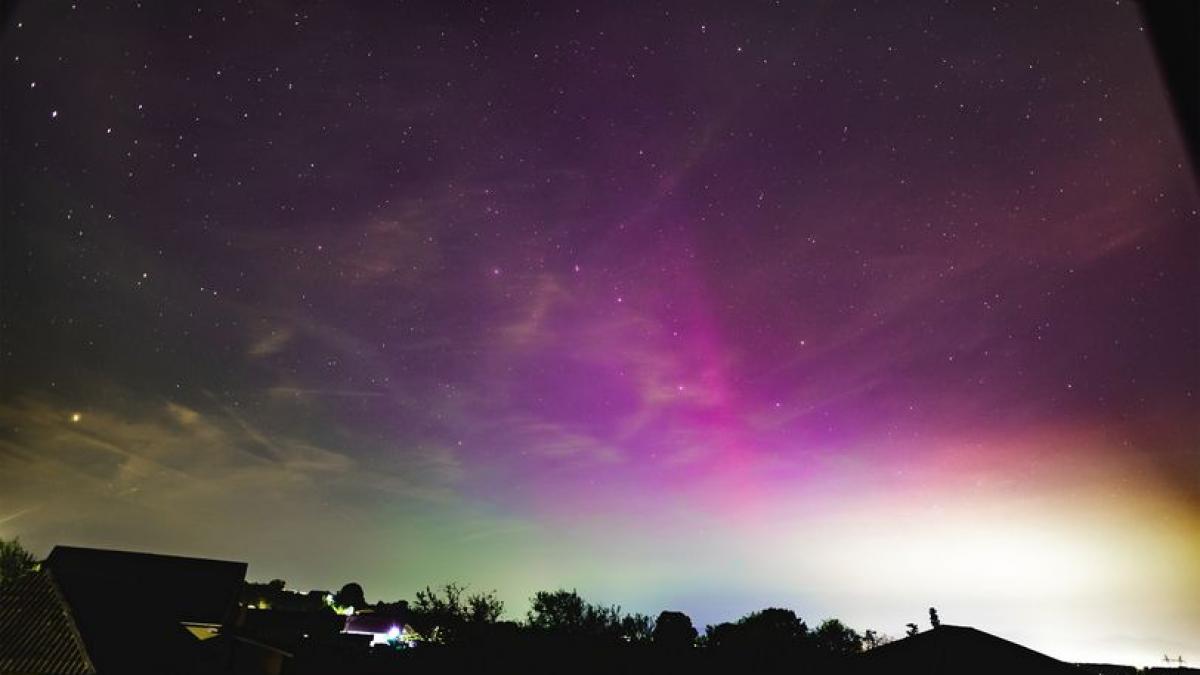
(68, 472)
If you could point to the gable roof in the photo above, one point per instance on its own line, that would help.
(960, 649)
(189, 589)
(37, 632)
(129, 607)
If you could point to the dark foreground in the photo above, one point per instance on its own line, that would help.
(97, 612)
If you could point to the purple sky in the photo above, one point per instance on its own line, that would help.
(850, 307)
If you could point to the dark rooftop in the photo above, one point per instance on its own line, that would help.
(960, 649)
(37, 632)
(128, 606)
(191, 589)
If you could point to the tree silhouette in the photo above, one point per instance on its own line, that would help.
(772, 629)
(564, 614)
(15, 561)
(443, 603)
(602, 622)
(458, 631)
(776, 625)
(834, 637)
(674, 630)
(400, 607)
(720, 635)
(484, 607)
(872, 639)
(448, 614)
(558, 611)
(637, 628)
(912, 629)
(933, 618)
(351, 595)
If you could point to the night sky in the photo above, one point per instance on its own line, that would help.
(850, 307)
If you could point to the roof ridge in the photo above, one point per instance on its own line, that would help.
(72, 626)
(39, 629)
(148, 554)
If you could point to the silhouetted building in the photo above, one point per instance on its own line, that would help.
(959, 649)
(140, 613)
(1108, 669)
(390, 627)
(38, 635)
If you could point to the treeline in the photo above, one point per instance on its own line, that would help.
(451, 629)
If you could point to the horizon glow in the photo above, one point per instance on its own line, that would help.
(851, 310)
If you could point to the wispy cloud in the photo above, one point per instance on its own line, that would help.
(270, 342)
(66, 471)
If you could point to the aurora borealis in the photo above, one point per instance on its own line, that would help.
(854, 308)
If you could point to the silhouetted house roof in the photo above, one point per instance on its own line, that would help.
(130, 608)
(958, 649)
(364, 623)
(193, 589)
(38, 635)
(1108, 669)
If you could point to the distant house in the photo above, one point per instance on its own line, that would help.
(268, 596)
(384, 628)
(100, 612)
(959, 649)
